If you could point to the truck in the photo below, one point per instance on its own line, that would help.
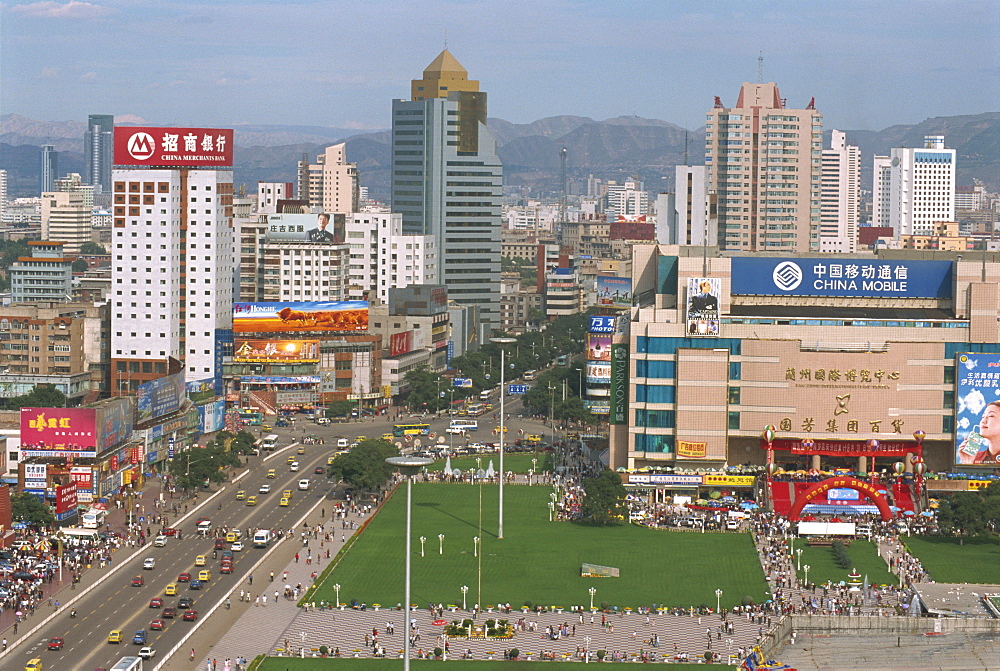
(262, 538)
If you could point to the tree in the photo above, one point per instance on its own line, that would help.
(364, 467)
(92, 248)
(42, 396)
(80, 266)
(339, 409)
(31, 510)
(604, 498)
(193, 467)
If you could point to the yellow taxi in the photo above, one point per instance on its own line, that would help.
(283, 502)
(240, 495)
(534, 438)
(360, 438)
(266, 427)
(252, 501)
(33, 665)
(287, 494)
(329, 460)
(171, 590)
(387, 436)
(271, 475)
(233, 536)
(204, 576)
(301, 450)
(115, 636)
(291, 459)
(200, 560)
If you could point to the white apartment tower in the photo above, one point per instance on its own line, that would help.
(914, 188)
(174, 270)
(331, 183)
(67, 218)
(763, 161)
(626, 199)
(382, 257)
(840, 195)
(685, 219)
(269, 193)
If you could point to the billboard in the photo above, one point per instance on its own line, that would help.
(598, 372)
(462, 382)
(598, 347)
(691, 449)
(211, 416)
(275, 351)
(332, 316)
(602, 325)
(400, 343)
(160, 397)
(83, 476)
(35, 476)
(47, 432)
(66, 497)
(114, 421)
(619, 384)
(703, 305)
(321, 228)
(977, 418)
(186, 147)
(848, 278)
(614, 292)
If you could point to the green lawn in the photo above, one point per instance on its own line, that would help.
(518, 462)
(864, 554)
(292, 664)
(537, 560)
(947, 561)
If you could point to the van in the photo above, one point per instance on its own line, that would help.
(116, 636)
(33, 665)
(232, 537)
(262, 538)
(323, 420)
(303, 484)
(387, 437)
(862, 530)
(271, 475)
(341, 443)
(204, 576)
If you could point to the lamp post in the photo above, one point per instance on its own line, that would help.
(336, 589)
(805, 568)
(408, 466)
(464, 588)
(503, 395)
(593, 591)
(718, 600)
(422, 540)
(586, 650)
(798, 558)
(552, 510)
(475, 546)
(534, 467)
(440, 544)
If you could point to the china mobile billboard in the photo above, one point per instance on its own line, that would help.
(614, 292)
(160, 397)
(59, 432)
(598, 347)
(183, 147)
(282, 317)
(321, 228)
(873, 278)
(977, 417)
(275, 351)
(703, 305)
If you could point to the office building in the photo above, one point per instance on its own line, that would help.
(682, 218)
(269, 193)
(626, 199)
(46, 275)
(914, 187)
(330, 184)
(840, 195)
(98, 151)
(68, 219)
(383, 258)
(447, 182)
(763, 161)
(48, 169)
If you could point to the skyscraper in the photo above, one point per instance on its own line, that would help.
(447, 182)
(48, 168)
(98, 148)
(331, 183)
(914, 188)
(763, 160)
(840, 195)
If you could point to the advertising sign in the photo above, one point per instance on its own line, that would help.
(114, 421)
(598, 372)
(691, 449)
(35, 476)
(598, 347)
(597, 407)
(66, 499)
(83, 476)
(322, 228)
(333, 316)
(400, 343)
(461, 382)
(275, 351)
(855, 277)
(159, 397)
(187, 147)
(728, 480)
(211, 418)
(619, 384)
(517, 389)
(842, 494)
(280, 379)
(58, 432)
(614, 292)
(977, 418)
(602, 325)
(703, 305)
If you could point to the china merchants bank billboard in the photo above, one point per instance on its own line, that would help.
(185, 147)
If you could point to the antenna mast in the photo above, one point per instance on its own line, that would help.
(565, 190)
(760, 67)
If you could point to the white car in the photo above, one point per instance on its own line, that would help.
(147, 653)
(148, 564)
(160, 541)
(236, 547)
(265, 489)
(294, 466)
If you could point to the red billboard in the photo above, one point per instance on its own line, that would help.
(400, 343)
(59, 431)
(83, 476)
(275, 351)
(184, 147)
(65, 497)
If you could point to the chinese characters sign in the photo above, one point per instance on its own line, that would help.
(58, 432)
(855, 277)
(977, 417)
(185, 147)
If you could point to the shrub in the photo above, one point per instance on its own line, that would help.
(438, 652)
(601, 654)
(529, 604)
(491, 624)
(514, 653)
(746, 601)
(323, 650)
(467, 622)
(840, 556)
(605, 605)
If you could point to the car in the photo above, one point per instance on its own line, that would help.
(266, 427)
(185, 602)
(171, 589)
(184, 577)
(265, 489)
(157, 625)
(147, 653)
(291, 459)
(194, 584)
(168, 614)
(330, 460)
(342, 443)
(190, 615)
(323, 420)
(233, 536)
(360, 438)
(227, 554)
(227, 567)
(56, 643)
(138, 581)
(116, 636)
(283, 502)
(200, 560)
(271, 475)
(240, 495)
(156, 603)
(204, 576)
(319, 470)
(140, 637)
(220, 544)
(148, 564)
(294, 467)
(168, 531)
(287, 493)
(301, 450)
(252, 501)
(237, 546)
(160, 541)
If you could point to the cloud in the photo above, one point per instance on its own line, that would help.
(362, 125)
(48, 9)
(50, 73)
(129, 118)
(88, 77)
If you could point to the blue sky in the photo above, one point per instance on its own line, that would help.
(869, 64)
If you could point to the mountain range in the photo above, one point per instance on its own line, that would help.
(615, 148)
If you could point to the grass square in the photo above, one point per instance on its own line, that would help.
(974, 561)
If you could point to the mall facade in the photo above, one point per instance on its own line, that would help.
(846, 356)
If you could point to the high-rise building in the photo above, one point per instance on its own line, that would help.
(626, 199)
(3, 194)
(914, 188)
(331, 183)
(684, 218)
(840, 196)
(67, 218)
(763, 161)
(48, 168)
(46, 275)
(383, 258)
(447, 182)
(98, 151)
(73, 183)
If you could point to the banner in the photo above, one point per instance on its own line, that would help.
(160, 397)
(332, 316)
(691, 449)
(598, 347)
(83, 476)
(703, 305)
(840, 277)
(275, 351)
(728, 480)
(844, 448)
(35, 476)
(323, 228)
(400, 343)
(59, 432)
(66, 498)
(598, 372)
(614, 292)
(619, 384)
(977, 417)
(174, 147)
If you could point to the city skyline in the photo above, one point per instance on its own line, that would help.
(340, 64)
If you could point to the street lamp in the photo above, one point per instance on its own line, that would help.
(408, 466)
(503, 395)
(718, 600)
(475, 546)
(798, 558)
(336, 589)
(464, 588)
(593, 591)
(440, 544)
(552, 510)
(422, 540)
(534, 467)
(806, 569)
(586, 650)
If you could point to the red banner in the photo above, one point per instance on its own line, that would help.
(114, 463)
(400, 343)
(186, 147)
(134, 455)
(65, 497)
(843, 448)
(83, 476)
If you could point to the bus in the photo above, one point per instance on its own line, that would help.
(463, 425)
(93, 518)
(475, 409)
(485, 394)
(269, 442)
(400, 430)
(128, 664)
(251, 416)
(562, 360)
(530, 375)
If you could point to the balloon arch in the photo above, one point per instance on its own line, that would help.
(840, 482)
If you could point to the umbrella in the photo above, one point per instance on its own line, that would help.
(894, 509)
(728, 499)
(439, 623)
(749, 505)
(927, 513)
(909, 512)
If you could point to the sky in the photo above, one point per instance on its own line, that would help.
(869, 64)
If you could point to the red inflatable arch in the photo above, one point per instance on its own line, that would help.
(866, 488)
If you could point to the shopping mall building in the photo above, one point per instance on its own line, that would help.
(848, 357)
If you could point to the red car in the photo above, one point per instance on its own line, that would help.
(168, 613)
(156, 625)
(56, 643)
(168, 531)
(184, 577)
(220, 544)
(190, 615)
(226, 568)
(156, 603)
(138, 581)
